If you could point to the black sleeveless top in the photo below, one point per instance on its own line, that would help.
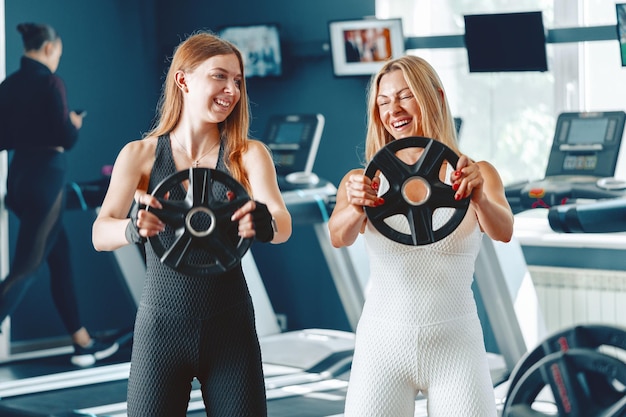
(184, 295)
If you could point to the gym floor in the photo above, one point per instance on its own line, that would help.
(294, 401)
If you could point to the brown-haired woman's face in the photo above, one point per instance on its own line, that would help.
(397, 106)
(213, 88)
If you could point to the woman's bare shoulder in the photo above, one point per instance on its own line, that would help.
(255, 145)
(141, 145)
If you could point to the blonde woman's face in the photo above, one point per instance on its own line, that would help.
(397, 107)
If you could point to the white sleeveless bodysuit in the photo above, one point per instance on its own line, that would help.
(419, 331)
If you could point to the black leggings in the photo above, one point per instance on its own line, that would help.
(36, 194)
(222, 352)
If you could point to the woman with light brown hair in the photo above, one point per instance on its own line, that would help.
(188, 325)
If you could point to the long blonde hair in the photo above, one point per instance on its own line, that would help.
(437, 121)
(190, 53)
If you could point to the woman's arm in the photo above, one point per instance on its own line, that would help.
(483, 182)
(130, 174)
(348, 217)
(259, 165)
(65, 131)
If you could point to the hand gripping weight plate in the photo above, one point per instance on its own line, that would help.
(401, 177)
(200, 238)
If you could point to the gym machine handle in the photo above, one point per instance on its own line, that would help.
(605, 216)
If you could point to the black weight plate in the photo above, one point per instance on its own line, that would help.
(591, 336)
(201, 240)
(567, 374)
(399, 173)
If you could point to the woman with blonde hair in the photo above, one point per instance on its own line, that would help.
(191, 326)
(419, 331)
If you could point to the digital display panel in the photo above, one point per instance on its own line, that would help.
(580, 162)
(289, 133)
(587, 131)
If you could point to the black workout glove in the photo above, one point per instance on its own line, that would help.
(263, 223)
(132, 231)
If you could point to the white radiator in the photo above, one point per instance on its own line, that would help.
(569, 296)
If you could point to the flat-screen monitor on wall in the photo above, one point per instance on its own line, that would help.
(621, 30)
(361, 46)
(506, 42)
(260, 47)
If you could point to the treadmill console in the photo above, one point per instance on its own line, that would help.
(581, 165)
(586, 144)
(294, 140)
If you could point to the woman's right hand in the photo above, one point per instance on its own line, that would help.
(348, 217)
(77, 119)
(363, 191)
(147, 222)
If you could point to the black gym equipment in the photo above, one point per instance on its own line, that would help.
(605, 216)
(585, 380)
(294, 140)
(201, 222)
(401, 177)
(582, 162)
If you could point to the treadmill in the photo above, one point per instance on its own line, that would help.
(585, 167)
(581, 166)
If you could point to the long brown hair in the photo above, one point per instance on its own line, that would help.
(190, 53)
(425, 85)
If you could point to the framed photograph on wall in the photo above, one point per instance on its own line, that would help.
(360, 47)
(260, 46)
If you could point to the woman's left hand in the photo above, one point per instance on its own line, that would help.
(246, 221)
(255, 220)
(467, 179)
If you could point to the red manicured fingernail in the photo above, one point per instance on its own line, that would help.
(375, 186)
(230, 195)
(457, 173)
(380, 201)
(457, 197)
(455, 186)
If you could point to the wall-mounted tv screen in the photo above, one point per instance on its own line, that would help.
(506, 42)
(260, 47)
(621, 30)
(360, 47)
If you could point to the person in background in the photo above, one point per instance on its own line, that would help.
(419, 331)
(187, 325)
(35, 122)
